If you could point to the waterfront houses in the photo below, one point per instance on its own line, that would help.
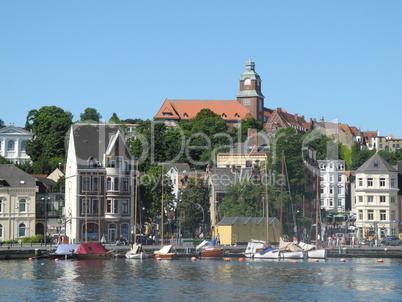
(376, 195)
(13, 141)
(17, 203)
(99, 184)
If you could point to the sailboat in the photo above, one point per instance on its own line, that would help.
(208, 249)
(313, 251)
(136, 252)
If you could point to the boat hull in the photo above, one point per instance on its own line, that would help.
(137, 256)
(165, 256)
(318, 254)
(292, 255)
(212, 253)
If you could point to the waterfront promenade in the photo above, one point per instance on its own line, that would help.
(21, 251)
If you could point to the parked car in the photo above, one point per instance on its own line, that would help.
(391, 240)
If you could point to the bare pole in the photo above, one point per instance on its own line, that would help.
(266, 200)
(162, 209)
(281, 199)
(316, 206)
(136, 203)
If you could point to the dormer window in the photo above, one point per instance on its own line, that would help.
(185, 115)
(223, 115)
(236, 115)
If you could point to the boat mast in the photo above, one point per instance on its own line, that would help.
(317, 198)
(281, 199)
(135, 203)
(162, 210)
(266, 200)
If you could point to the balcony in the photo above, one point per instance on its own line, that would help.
(112, 216)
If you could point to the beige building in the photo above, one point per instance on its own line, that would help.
(235, 230)
(387, 143)
(17, 203)
(376, 198)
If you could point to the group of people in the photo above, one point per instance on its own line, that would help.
(334, 240)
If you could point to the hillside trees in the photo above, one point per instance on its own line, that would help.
(90, 115)
(49, 125)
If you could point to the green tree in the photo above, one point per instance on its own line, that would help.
(90, 115)
(242, 199)
(245, 124)
(359, 157)
(391, 157)
(114, 119)
(49, 125)
(194, 206)
(3, 160)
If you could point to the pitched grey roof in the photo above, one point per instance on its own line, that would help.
(221, 178)
(13, 176)
(180, 167)
(244, 220)
(376, 164)
(93, 141)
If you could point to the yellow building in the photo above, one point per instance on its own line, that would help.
(236, 230)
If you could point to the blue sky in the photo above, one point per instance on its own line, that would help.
(334, 59)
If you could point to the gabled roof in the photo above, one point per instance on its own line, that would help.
(93, 141)
(91, 248)
(13, 130)
(245, 220)
(188, 109)
(376, 164)
(15, 177)
(179, 167)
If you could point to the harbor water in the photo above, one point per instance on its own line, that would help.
(118, 279)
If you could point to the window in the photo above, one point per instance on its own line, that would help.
(383, 215)
(382, 198)
(369, 182)
(322, 178)
(1, 206)
(112, 206)
(360, 182)
(382, 182)
(109, 184)
(339, 190)
(370, 198)
(124, 184)
(331, 190)
(322, 202)
(322, 190)
(124, 206)
(392, 215)
(116, 184)
(246, 102)
(392, 199)
(21, 230)
(10, 145)
(331, 202)
(95, 184)
(124, 231)
(360, 214)
(1, 230)
(360, 198)
(248, 164)
(95, 206)
(392, 183)
(85, 183)
(119, 161)
(84, 206)
(23, 145)
(22, 206)
(339, 177)
(370, 214)
(331, 178)
(339, 202)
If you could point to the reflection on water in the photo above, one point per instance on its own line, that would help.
(151, 280)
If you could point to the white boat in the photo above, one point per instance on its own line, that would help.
(291, 250)
(313, 251)
(136, 253)
(258, 249)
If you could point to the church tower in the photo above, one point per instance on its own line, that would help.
(250, 95)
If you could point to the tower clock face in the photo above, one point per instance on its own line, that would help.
(247, 82)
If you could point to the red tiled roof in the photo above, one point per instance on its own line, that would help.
(187, 109)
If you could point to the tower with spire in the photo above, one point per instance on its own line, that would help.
(250, 95)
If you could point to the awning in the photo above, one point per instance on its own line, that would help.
(339, 215)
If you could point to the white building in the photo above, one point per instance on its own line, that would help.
(17, 203)
(13, 141)
(376, 198)
(332, 185)
(99, 184)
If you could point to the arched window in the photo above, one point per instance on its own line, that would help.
(10, 145)
(22, 206)
(124, 231)
(21, 230)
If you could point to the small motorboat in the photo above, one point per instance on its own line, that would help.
(136, 252)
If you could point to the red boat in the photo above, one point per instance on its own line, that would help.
(93, 250)
(211, 252)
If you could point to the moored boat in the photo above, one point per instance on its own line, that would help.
(92, 250)
(166, 252)
(208, 249)
(291, 250)
(64, 251)
(136, 252)
(313, 251)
